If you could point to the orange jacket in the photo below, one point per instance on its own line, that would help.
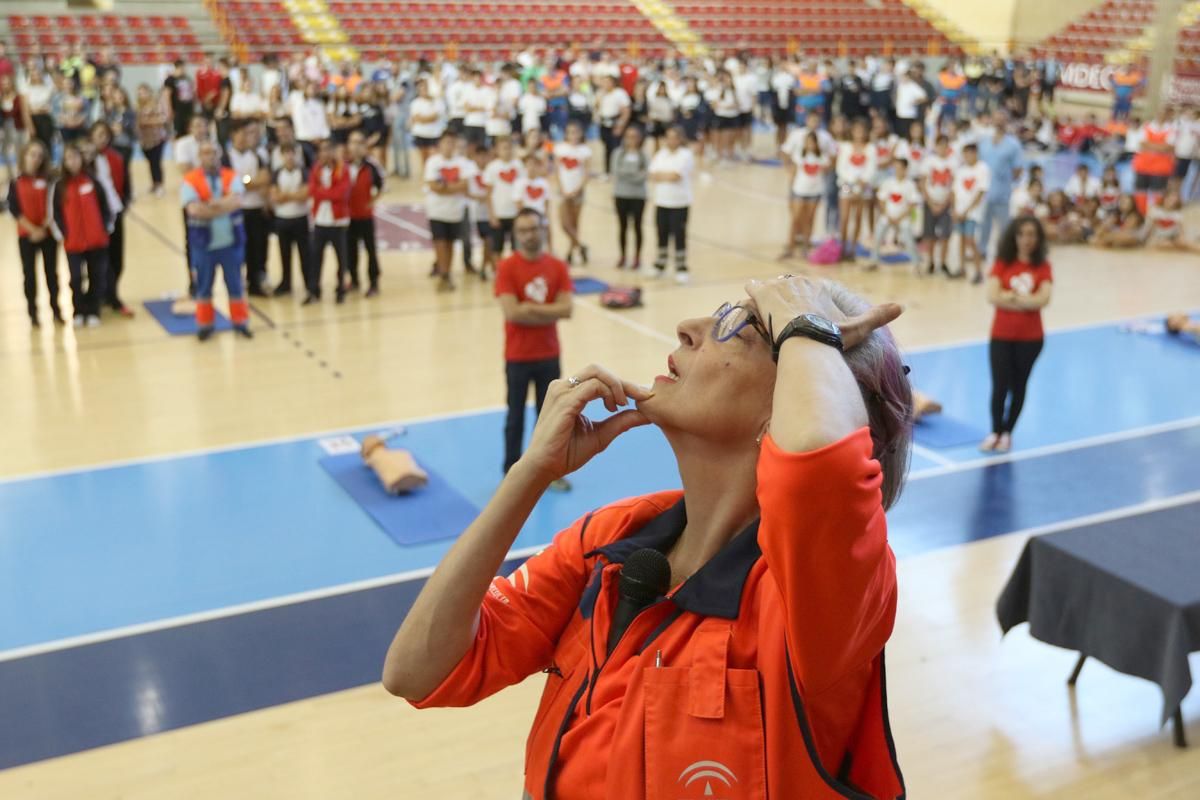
(760, 676)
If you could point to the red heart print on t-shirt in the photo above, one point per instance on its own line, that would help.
(914, 154)
(1165, 223)
(858, 159)
(449, 174)
(941, 177)
(534, 192)
(896, 198)
(570, 163)
(508, 175)
(969, 184)
(812, 169)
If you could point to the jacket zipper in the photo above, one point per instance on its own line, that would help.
(597, 668)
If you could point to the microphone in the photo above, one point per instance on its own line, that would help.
(645, 577)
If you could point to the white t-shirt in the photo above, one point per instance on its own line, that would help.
(673, 194)
(1077, 190)
(782, 83)
(532, 108)
(309, 120)
(1187, 138)
(291, 180)
(971, 181)
(914, 154)
(427, 107)
(532, 193)
(938, 173)
(855, 168)
(793, 146)
(187, 152)
(502, 176)
(447, 207)
(247, 104)
(456, 99)
(810, 175)
(480, 102)
(1163, 224)
(38, 95)
(899, 197)
(610, 104)
(909, 95)
(1022, 203)
(746, 88)
(477, 190)
(571, 162)
(246, 165)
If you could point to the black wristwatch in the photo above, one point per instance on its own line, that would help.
(812, 326)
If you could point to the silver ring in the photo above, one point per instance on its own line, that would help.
(573, 381)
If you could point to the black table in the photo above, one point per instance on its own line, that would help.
(1125, 592)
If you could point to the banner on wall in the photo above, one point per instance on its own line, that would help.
(1081, 76)
(1184, 89)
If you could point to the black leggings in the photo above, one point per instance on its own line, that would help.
(672, 224)
(154, 158)
(500, 234)
(323, 235)
(629, 211)
(116, 262)
(611, 142)
(86, 301)
(48, 247)
(1012, 363)
(293, 234)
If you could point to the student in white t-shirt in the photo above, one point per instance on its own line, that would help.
(671, 173)
(807, 167)
(447, 176)
(1082, 185)
(531, 108)
(971, 182)
(501, 176)
(855, 174)
(883, 141)
(571, 159)
(897, 198)
(289, 209)
(937, 185)
(613, 108)
(532, 190)
(426, 120)
(479, 191)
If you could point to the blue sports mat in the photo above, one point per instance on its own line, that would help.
(438, 511)
(181, 326)
(938, 432)
(589, 286)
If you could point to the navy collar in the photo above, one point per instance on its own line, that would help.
(715, 590)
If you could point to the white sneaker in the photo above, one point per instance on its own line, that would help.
(682, 278)
(78, 321)
(93, 321)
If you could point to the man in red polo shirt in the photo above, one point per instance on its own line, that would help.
(535, 292)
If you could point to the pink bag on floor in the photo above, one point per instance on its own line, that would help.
(826, 253)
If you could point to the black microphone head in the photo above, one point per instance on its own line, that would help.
(645, 576)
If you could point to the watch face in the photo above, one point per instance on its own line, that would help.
(823, 325)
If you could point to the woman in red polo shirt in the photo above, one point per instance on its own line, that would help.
(1019, 287)
(760, 673)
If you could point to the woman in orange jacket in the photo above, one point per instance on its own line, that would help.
(759, 672)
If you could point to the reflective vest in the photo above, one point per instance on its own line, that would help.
(950, 85)
(1150, 163)
(199, 231)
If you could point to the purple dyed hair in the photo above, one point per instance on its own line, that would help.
(879, 370)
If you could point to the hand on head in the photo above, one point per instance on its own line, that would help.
(780, 300)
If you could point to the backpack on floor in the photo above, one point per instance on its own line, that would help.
(621, 297)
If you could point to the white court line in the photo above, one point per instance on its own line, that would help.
(628, 323)
(244, 445)
(233, 611)
(419, 574)
(1053, 449)
(936, 458)
(403, 223)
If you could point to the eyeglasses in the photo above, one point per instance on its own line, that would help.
(730, 319)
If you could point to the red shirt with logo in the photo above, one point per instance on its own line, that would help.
(540, 282)
(1025, 280)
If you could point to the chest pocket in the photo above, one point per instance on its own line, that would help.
(704, 729)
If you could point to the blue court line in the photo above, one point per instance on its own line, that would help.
(89, 696)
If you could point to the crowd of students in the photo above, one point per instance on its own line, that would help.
(900, 159)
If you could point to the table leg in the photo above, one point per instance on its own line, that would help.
(1177, 724)
(1075, 672)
